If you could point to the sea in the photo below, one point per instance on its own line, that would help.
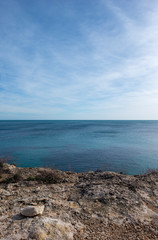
(130, 147)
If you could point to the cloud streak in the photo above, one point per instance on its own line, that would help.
(84, 61)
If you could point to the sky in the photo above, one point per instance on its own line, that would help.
(77, 59)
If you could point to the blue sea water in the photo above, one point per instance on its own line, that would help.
(128, 146)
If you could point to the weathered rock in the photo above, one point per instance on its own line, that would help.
(51, 228)
(32, 211)
(4, 192)
(57, 229)
(92, 206)
(38, 234)
(9, 167)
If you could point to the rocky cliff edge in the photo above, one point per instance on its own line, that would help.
(67, 205)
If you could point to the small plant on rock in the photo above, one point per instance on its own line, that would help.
(31, 179)
(48, 177)
(14, 178)
(2, 161)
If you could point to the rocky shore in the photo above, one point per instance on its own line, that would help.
(46, 204)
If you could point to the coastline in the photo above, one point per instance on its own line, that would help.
(87, 205)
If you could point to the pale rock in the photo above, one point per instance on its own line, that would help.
(57, 229)
(4, 192)
(9, 167)
(32, 211)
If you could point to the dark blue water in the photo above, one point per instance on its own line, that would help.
(128, 146)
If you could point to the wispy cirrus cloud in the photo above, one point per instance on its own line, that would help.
(82, 61)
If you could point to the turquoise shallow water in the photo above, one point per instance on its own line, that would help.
(128, 146)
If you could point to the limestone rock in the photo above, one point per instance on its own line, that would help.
(4, 192)
(32, 211)
(38, 234)
(52, 228)
(89, 205)
(9, 167)
(57, 229)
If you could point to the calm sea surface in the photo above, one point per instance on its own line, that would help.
(128, 146)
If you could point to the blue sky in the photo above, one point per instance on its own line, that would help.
(77, 59)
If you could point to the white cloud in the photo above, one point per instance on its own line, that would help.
(110, 73)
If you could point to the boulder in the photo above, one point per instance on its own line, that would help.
(32, 211)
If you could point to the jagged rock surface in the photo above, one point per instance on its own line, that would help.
(93, 205)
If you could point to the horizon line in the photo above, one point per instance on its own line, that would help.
(78, 119)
